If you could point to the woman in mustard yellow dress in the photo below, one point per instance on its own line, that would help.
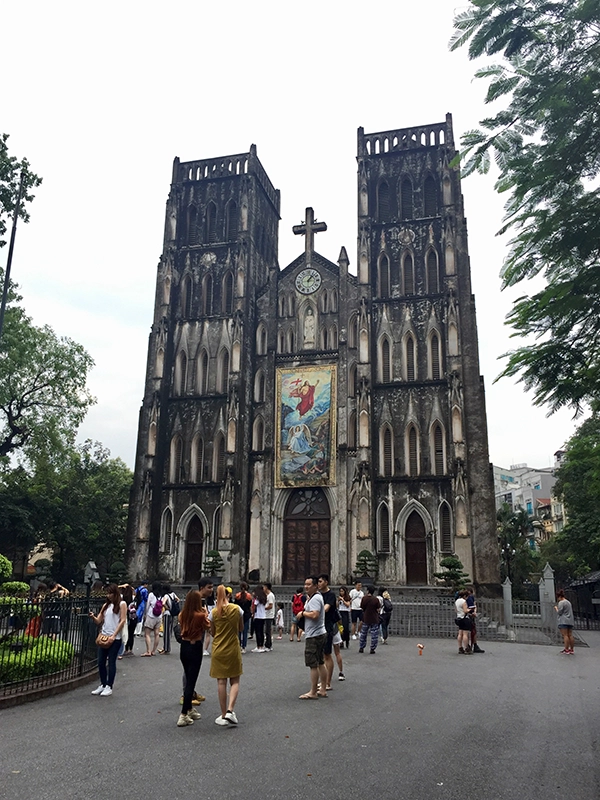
(226, 622)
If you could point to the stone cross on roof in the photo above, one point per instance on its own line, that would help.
(308, 228)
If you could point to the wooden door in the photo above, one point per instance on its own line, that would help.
(415, 542)
(193, 550)
(306, 536)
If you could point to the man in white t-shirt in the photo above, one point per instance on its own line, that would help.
(356, 595)
(269, 616)
(315, 636)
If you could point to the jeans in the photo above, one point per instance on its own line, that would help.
(259, 631)
(385, 621)
(244, 634)
(268, 633)
(191, 659)
(108, 654)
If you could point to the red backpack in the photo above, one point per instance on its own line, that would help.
(298, 601)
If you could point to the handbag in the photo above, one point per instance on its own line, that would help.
(102, 640)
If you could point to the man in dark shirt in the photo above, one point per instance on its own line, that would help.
(370, 609)
(331, 618)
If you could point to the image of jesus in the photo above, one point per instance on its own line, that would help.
(306, 393)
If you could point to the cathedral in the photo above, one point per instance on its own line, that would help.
(294, 417)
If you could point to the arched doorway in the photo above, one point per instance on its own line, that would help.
(415, 540)
(306, 535)
(194, 541)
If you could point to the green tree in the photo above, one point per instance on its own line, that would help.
(367, 564)
(43, 395)
(213, 563)
(5, 568)
(544, 139)
(81, 509)
(517, 558)
(10, 173)
(453, 574)
(578, 486)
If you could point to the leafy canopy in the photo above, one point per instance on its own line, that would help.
(578, 486)
(43, 395)
(544, 139)
(10, 172)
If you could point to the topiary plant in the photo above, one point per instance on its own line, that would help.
(6, 568)
(453, 574)
(14, 588)
(367, 564)
(213, 563)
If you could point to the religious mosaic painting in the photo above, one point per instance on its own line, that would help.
(306, 432)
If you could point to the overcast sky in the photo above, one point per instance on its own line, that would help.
(101, 97)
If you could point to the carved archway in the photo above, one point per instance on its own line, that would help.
(306, 535)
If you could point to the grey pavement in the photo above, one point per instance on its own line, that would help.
(520, 721)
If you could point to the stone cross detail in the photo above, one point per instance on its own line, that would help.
(308, 228)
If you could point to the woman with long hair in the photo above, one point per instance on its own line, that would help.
(128, 596)
(244, 600)
(193, 621)
(226, 623)
(112, 617)
(344, 603)
(153, 621)
(259, 614)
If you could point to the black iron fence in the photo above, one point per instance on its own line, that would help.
(45, 643)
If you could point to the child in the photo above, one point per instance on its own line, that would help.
(279, 621)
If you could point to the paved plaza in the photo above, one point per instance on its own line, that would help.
(520, 722)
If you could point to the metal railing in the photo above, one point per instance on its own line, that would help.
(45, 643)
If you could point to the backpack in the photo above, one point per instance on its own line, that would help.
(175, 605)
(177, 631)
(158, 608)
(387, 605)
(297, 604)
(132, 611)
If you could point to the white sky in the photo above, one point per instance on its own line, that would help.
(101, 97)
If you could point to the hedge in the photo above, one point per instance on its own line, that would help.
(39, 656)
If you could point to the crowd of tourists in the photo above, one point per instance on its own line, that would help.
(213, 621)
(216, 622)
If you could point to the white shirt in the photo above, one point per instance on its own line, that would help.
(270, 612)
(356, 595)
(111, 620)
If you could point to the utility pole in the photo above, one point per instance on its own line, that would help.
(11, 247)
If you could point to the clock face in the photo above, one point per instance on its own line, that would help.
(308, 281)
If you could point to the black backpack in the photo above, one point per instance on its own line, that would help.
(175, 605)
(387, 605)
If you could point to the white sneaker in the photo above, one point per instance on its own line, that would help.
(106, 692)
(221, 721)
(243, 651)
(257, 650)
(184, 720)
(99, 690)
(231, 717)
(193, 714)
(355, 637)
(206, 653)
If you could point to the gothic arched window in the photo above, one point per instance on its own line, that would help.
(386, 452)
(192, 225)
(219, 459)
(383, 202)
(258, 435)
(406, 199)
(429, 197)
(410, 359)
(434, 344)
(433, 275)
(232, 221)
(227, 295)
(261, 340)
(211, 223)
(197, 459)
(202, 378)
(207, 293)
(176, 459)
(438, 450)
(412, 443)
(186, 297)
(166, 531)
(351, 438)
(386, 360)
(408, 272)
(223, 372)
(383, 276)
(181, 374)
(446, 529)
(383, 529)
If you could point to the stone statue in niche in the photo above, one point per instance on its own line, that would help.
(456, 392)
(460, 489)
(309, 328)
(363, 392)
(233, 404)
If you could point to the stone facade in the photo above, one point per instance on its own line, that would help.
(408, 476)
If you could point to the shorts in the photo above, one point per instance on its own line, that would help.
(568, 627)
(337, 638)
(151, 621)
(464, 623)
(356, 614)
(313, 650)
